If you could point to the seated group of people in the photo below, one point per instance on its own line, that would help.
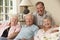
(29, 31)
(37, 26)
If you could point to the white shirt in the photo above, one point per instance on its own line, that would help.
(42, 35)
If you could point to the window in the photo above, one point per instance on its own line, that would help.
(5, 7)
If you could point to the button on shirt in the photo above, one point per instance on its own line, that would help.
(27, 32)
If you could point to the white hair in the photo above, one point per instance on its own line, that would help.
(29, 15)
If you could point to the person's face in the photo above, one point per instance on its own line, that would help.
(29, 20)
(14, 20)
(46, 23)
(40, 9)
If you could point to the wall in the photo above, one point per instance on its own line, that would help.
(53, 6)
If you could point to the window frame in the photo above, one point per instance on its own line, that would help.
(3, 13)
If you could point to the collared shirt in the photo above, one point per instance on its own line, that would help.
(27, 32)
(38, 20)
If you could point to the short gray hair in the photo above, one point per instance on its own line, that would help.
(29, 15)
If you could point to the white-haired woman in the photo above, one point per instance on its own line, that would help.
(48, 32)
(12, 28)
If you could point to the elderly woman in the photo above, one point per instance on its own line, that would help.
(28, 30)
(10, 29)
(47, 31)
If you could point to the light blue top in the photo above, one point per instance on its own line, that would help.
(27, 31)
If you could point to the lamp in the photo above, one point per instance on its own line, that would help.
(25, 4)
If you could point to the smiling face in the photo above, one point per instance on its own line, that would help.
(47, 23)
(40, 9)
(14, 20)
(29, 20)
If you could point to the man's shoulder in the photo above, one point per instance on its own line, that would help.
(35, 26)
(34, 13)
(48, 13)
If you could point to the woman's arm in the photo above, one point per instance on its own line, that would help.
(12, 35)
(55, 30)
(14, 32)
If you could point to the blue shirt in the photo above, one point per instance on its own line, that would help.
(27, 31)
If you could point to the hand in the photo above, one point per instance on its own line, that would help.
(8, 24)
(55, 31)
(56, 25)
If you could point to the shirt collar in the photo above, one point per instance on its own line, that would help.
(28, 26)
(43, 13)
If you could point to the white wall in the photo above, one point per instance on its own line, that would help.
(53, 6)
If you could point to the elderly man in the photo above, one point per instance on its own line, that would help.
(28, 30)
(40, 14)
